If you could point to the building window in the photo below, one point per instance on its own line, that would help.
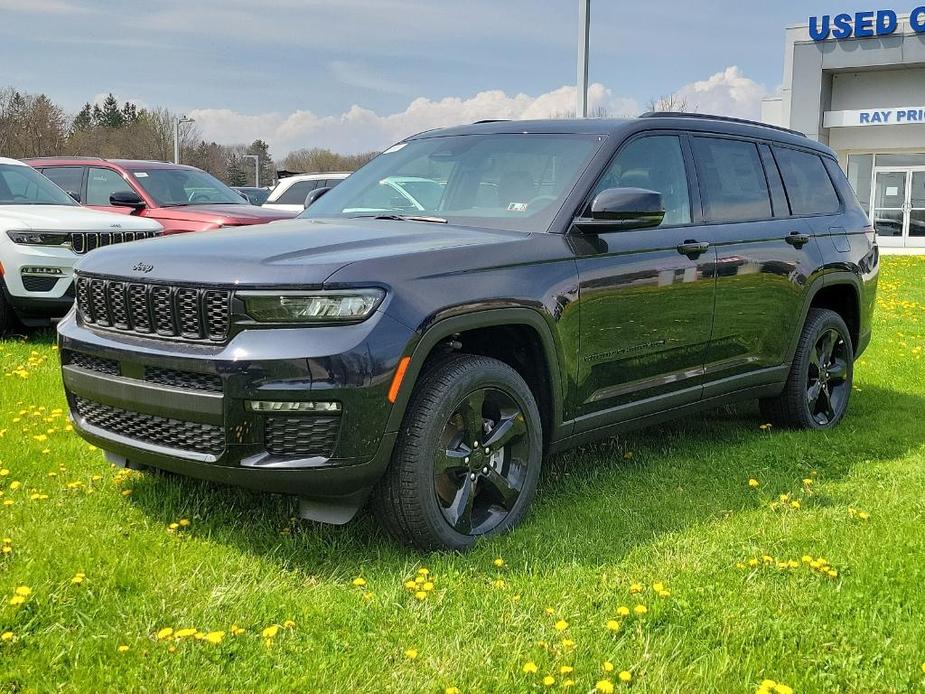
(901, 160)
(860, 175)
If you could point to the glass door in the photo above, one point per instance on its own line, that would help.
(915, 224)
(888, 206)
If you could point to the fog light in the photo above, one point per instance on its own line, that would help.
(36, 270)
(275, 406)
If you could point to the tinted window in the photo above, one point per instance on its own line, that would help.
(67, 178)
(331, 182)
(102, 183)
(732, 182)
(654, 163)
(295, 194)
(23, 185)
(808, 184)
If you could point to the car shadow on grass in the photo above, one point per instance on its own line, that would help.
(594, 505)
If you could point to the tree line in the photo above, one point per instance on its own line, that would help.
(32, 125)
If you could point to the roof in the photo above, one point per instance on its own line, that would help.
(623, 127)
(11, 162)
(316, 176)
(129, 164)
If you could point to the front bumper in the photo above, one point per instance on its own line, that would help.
(182, 406)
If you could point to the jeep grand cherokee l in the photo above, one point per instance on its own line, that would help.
(573, 279)
(182, 198)
(42, 233)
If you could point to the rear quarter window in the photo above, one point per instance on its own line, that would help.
(809, 187)
(295, 194)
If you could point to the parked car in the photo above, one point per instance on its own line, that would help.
(290, 193)
(42, 233)
(255, 196)
(575, 279)
(182, 198)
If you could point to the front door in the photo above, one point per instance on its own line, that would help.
(898, 207)
(646, 296)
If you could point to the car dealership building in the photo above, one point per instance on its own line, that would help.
(857, 83)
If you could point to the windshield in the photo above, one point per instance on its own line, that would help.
(23, 185)
(182, 187)
(508, 181)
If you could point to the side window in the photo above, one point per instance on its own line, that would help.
(808, 184)
(656, 163)
(67, 178)
(295, 194)
(732, 182)
(101, 183)
(331, 182)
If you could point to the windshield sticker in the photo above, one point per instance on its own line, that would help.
(517, 207)
(140, 174)
(395, 148)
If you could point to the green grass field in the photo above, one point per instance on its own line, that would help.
(744, 596)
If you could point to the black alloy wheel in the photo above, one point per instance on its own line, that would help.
(827, 378)
(481, 463)
(467, 459)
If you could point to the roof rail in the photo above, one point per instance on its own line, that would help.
(66, 156)
(725, 119)
(491, 120)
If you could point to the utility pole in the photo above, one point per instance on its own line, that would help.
(584, 36)
(256, 158)
(176, 136)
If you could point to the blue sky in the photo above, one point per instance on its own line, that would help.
(354, 74)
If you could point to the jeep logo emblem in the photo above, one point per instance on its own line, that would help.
(143, 267)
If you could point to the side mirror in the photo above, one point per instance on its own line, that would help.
(619, 209)
(315, 194)
(74, 195)
(127, 198)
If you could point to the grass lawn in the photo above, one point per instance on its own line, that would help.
(671, 505)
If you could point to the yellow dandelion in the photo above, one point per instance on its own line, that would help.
(566, 670)
(607, 666)
(530, 668)
(753, 483)
(499, 562)
(636, 588)
(78, 578)
(451, 690)
(613, 625)
(411, 585)
(214, 637)
(185, 633)
(359, 582)
(625, 676)
(270, 631)
(122, 648)
(568, 643)
(164, 633)
(623, 611)
(549, 681)
(568, 683)
(424, 571)
(561, 625)
(236, 630)
(640, 610)
(604, 687)
(7, 636)
(411, 654)
(421, 595)
(288, 624)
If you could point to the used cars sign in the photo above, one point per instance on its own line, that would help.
(861, 25)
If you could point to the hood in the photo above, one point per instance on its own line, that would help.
(300, 252)
(222, 214)
(70, 218)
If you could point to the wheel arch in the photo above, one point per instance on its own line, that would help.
(840, 292)
(444, 332)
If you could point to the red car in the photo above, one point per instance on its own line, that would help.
(182, 198)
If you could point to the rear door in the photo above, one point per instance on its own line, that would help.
(70, 179)
(646, 296)
(764, 258)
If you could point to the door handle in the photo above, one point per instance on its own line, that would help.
(692, 249)
(797, 240)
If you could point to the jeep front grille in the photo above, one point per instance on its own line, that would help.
(85, 241)
(154, 309)
(161, 431)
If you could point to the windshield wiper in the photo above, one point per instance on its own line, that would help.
(411, 218)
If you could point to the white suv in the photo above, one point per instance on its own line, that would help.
(290, 193)
(42, 233)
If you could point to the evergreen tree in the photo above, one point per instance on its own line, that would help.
(84, 119)
(110, 115)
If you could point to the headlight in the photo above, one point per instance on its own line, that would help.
(343, 306)
(38, 238)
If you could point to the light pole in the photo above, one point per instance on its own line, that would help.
(584, 35)
(176, 136)
(256, 158)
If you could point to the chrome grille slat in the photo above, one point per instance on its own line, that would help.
(85, 241)
(189, 313)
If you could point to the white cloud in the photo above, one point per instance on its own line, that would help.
(360, 129)
(727, 93)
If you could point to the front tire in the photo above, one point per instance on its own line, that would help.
(467, 459)
(819, 385)
(7, 317)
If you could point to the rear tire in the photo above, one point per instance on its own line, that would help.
(467, 459)
(819, 385)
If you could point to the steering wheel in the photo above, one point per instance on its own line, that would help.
(198, 197)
